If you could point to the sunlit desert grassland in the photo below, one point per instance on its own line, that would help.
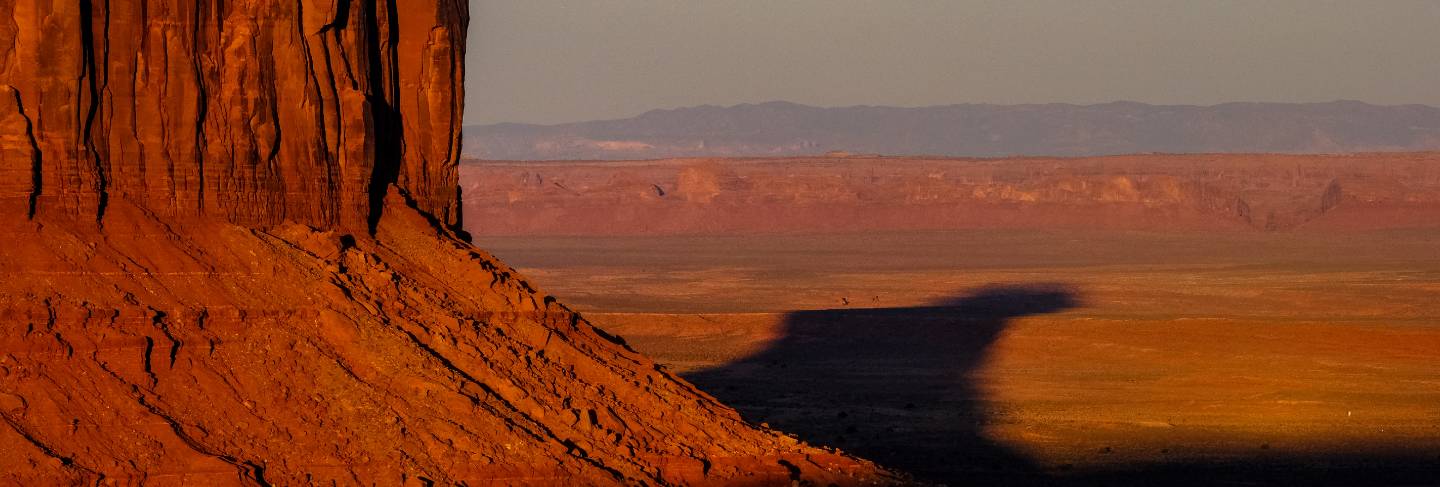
(1178, 347)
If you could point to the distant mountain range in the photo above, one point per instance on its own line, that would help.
(788, 129)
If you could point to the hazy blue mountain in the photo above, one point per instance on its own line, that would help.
(780, 128)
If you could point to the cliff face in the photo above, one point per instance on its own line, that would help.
(230, 258)
(248, 111)
(1204, 192)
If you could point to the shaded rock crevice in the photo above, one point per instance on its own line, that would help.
(25, 143)
(93, 82)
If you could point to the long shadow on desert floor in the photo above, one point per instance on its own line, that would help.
(889, 384)
(897, 386)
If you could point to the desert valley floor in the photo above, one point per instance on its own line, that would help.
(1038, 356)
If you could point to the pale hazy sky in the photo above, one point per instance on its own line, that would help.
(550, 61)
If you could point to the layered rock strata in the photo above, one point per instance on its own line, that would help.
(245, 111)
(1151, 192)
(232, 258)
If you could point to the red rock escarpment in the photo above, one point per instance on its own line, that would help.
(251, 112)
(231, 259)
(1205, 192)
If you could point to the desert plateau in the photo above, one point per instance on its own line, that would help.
(1094, 321)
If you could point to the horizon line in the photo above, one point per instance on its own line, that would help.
(952, 105)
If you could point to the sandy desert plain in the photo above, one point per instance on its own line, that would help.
(1097, 355)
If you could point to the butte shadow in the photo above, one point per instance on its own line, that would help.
(895, 385)
(890, 384)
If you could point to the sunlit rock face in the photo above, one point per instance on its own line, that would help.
(250, 112)
(230, 258)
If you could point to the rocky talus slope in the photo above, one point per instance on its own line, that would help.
(231, 257)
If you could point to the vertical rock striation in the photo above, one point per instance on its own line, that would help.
(232, 258)
(252, 112)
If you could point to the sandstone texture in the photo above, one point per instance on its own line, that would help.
(233, 256)
(843, 194)
(243, 111)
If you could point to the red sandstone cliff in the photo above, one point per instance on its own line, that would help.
(1158, 192)
(247, 111)
(231, 259)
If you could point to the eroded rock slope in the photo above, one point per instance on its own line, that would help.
(231, 258)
